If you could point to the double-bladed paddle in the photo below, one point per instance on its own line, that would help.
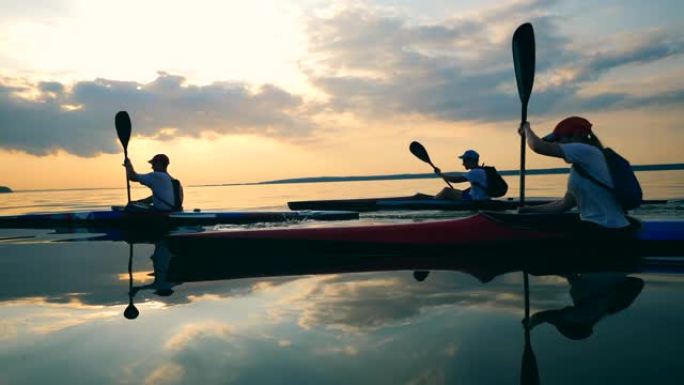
(123, 130)
(523, 61)
(420, 152)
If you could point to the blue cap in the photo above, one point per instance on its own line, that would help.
(470, 154)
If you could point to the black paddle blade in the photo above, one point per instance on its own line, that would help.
(419, 151)
(123, 127)
(523, 60)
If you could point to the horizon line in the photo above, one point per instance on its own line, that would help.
(362, 178)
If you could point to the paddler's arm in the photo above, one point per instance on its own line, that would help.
(130, 172)
(538, 145)
(453, 178)
(554, 207)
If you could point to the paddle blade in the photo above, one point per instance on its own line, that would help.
(123, 127)
(419, 151)
(523, 60)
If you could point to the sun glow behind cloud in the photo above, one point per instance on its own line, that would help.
(257, 41)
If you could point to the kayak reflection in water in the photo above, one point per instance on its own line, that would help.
(590, 184)
(594, 296)
(476, 175)
(167, 192)
(161, 258)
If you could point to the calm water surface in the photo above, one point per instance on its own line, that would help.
(63, 298)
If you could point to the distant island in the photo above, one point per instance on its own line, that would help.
(358, 178)
(5, 189)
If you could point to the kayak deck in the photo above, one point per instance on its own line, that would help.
(161, 219)
(418, 202)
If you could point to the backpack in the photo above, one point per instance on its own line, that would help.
(496, 185)
(626, 187)
(177, 200)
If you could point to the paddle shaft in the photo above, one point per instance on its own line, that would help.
(128, 182)
(522, 156)
(443, 177)
(529, 373)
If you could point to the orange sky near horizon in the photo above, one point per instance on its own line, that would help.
(643, 137)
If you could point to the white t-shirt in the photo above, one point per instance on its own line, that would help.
(478, 179)
(595, 203)
(160, 183)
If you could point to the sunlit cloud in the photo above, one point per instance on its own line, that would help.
(168, 373)
(41, 317)
(431, 376)
(347, 350)
(195, 332)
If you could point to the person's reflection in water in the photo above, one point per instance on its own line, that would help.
(161, 258)
(594, 296)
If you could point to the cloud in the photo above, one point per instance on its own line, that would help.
(376, 62)
(197, 331)
(371, 62)
(167, 373)
(360, 303)
(50, 116)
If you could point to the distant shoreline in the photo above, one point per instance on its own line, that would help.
(362, 178)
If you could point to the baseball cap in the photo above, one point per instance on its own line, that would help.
(160, 158)
(470, 154)
(571, 126)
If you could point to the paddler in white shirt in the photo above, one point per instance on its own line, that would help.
(574, 141)
(167, 192)
(476, 175)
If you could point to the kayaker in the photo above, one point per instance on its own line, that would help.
(574, 141)
(167, 192)
(476, 175)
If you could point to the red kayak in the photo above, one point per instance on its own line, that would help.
(483, 233)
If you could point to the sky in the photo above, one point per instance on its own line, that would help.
(238, 91)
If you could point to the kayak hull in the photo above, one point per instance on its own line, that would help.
(484, 234)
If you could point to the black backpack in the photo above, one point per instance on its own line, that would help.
(496, 185)
(626, 187)
(177, 200)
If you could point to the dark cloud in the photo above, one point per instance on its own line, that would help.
(79, 120)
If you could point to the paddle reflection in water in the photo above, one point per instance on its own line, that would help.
(161, 259)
